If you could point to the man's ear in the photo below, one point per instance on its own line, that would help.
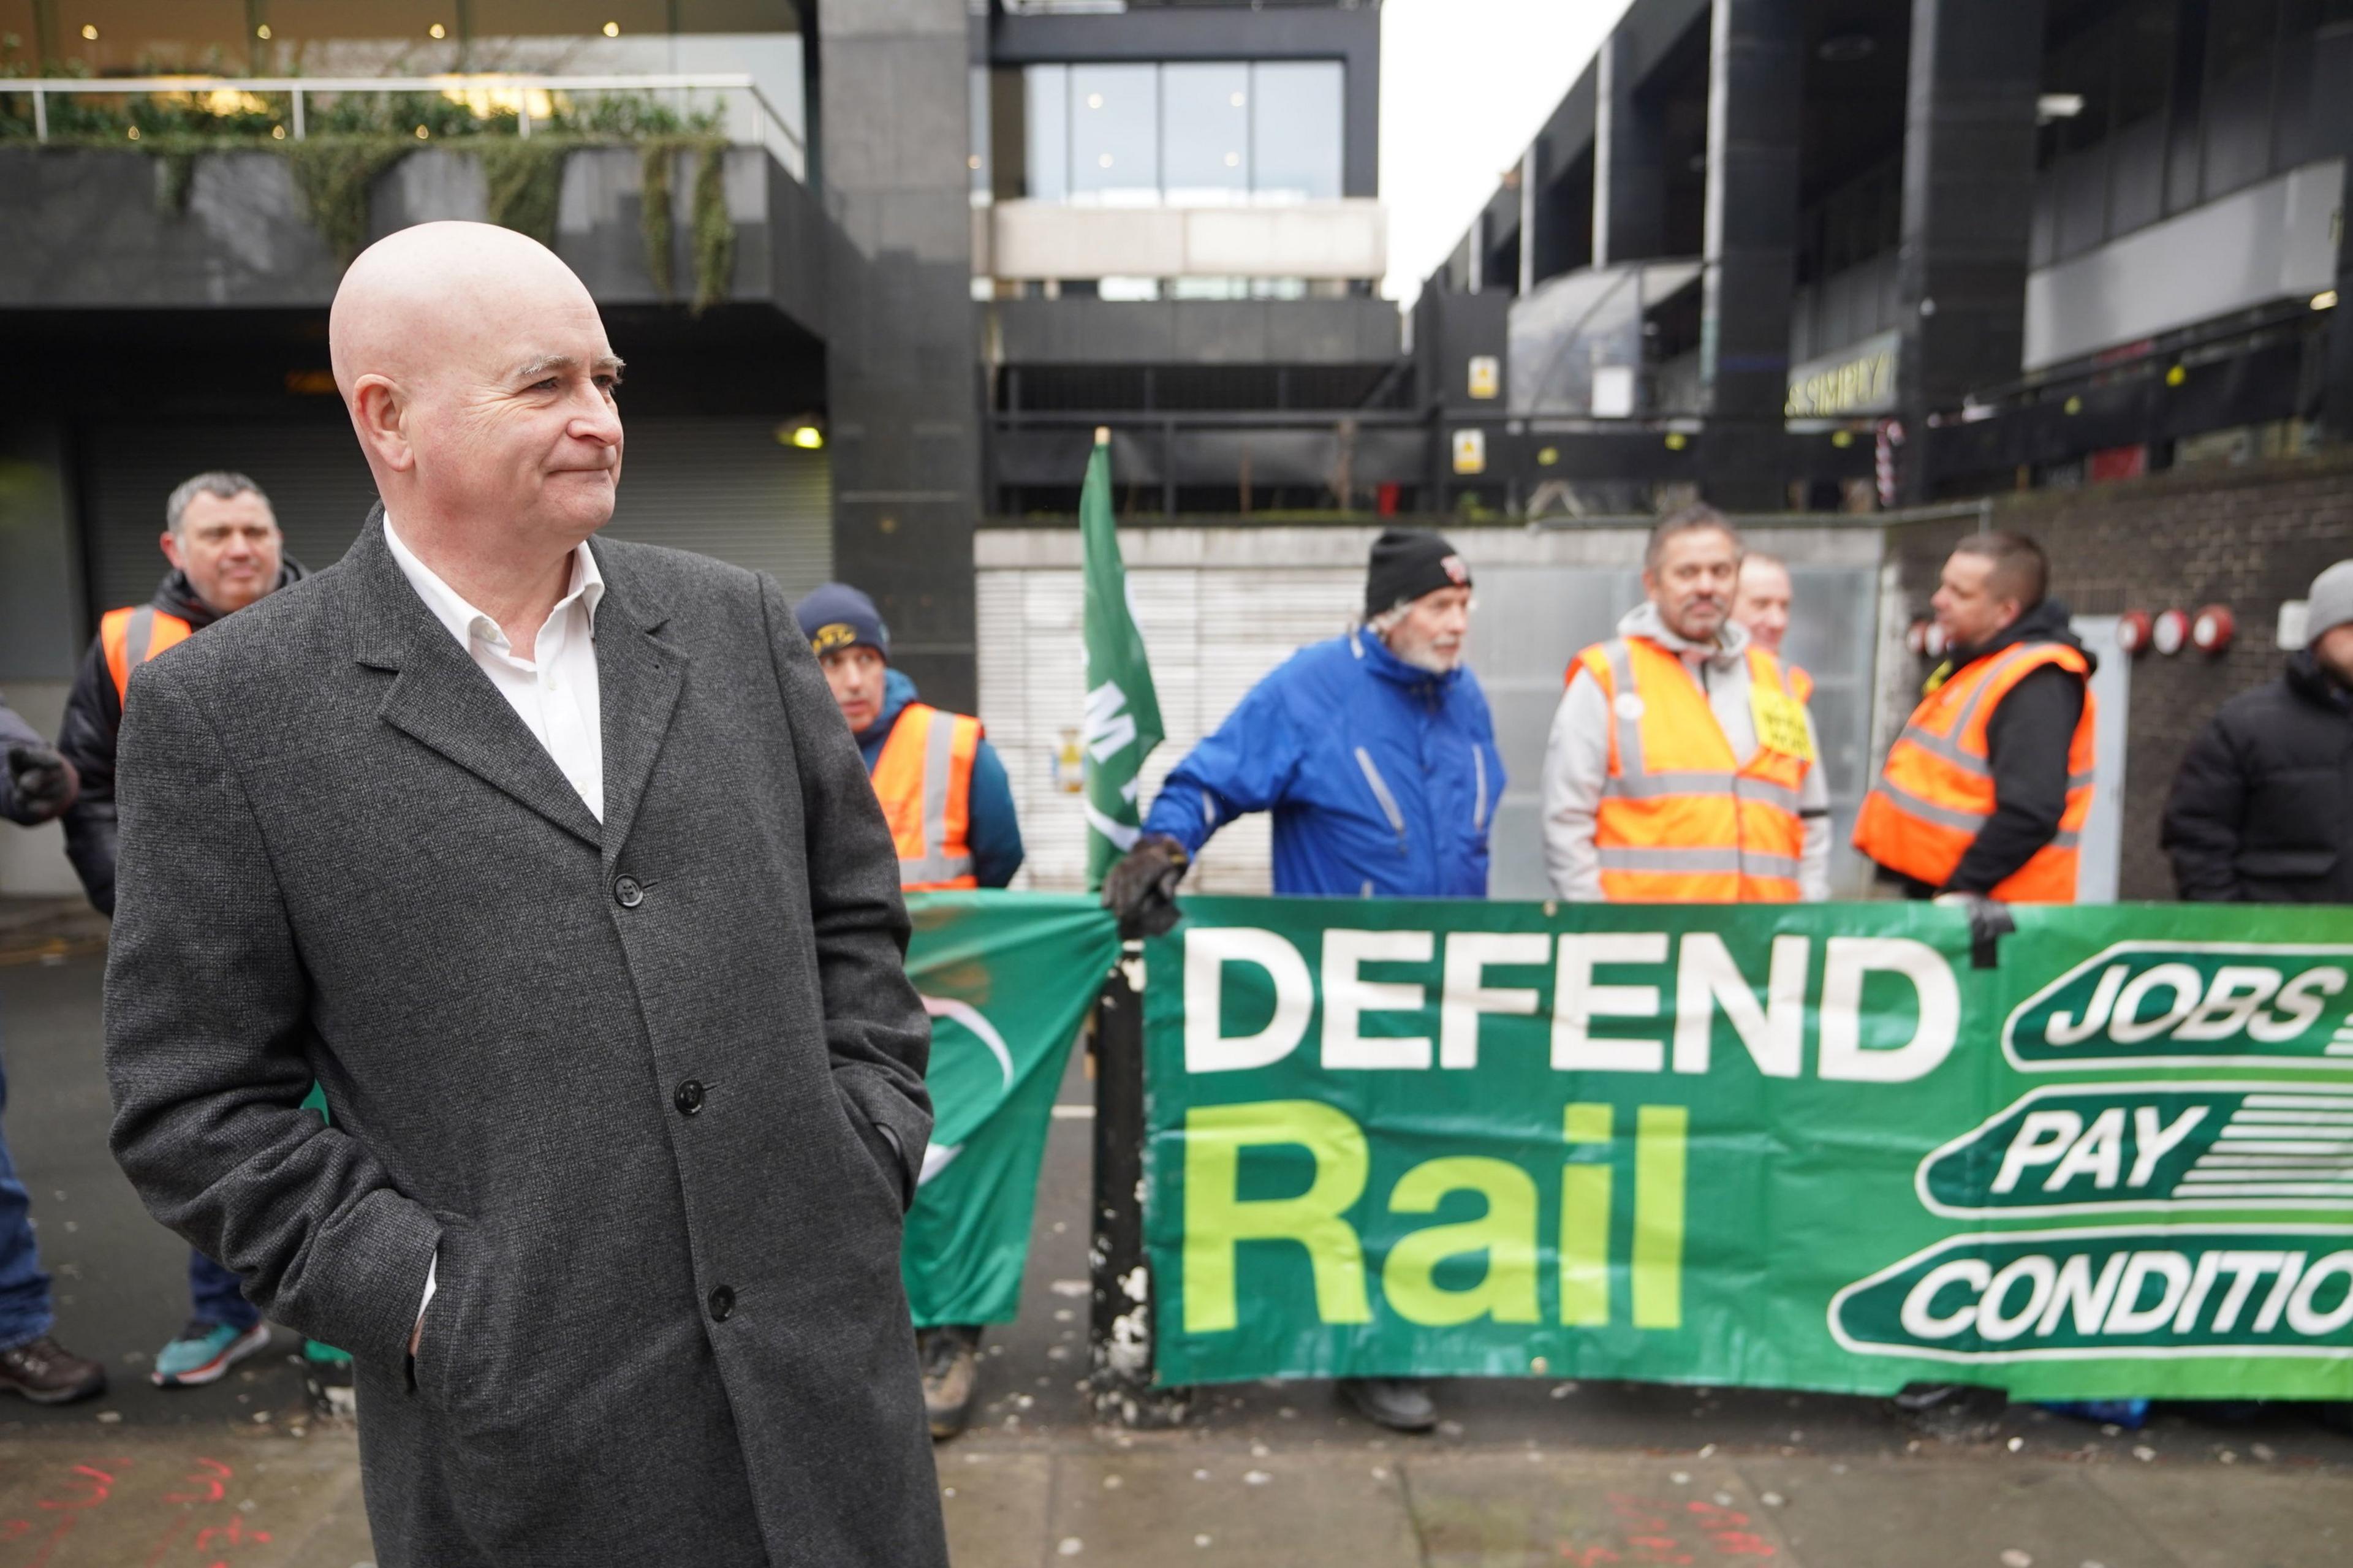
(379, 413)
(171, 544)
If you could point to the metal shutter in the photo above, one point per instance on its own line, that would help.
(720, 487)
(723, 487)
(316, 481)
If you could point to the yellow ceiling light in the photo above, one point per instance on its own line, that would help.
(89, 31)
(423, 134)
(806, 434)
(437, 31)
(2324, 301)
(612, 29)
(262, 32)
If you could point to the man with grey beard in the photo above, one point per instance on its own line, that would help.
(1377, 755)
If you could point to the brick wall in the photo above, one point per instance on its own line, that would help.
(2248, 538)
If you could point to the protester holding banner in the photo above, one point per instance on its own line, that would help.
(1680, 765)
(950, 806)
(36, 784)
(1985, 792)
(2263, 810)
(1376, 755)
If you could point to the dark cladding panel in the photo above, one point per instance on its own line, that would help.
(902, 384)
(1756, 75)
(1969, 203)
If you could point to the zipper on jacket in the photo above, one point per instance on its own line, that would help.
(1479, 801)
(1380, 787)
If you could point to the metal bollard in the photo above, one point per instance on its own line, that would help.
(1119, 1332)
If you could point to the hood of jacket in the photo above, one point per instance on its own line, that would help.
(1730, 647)
(2047, 622)
(898, 690)
(2315, 685)
(1376, 659)
(175, 595)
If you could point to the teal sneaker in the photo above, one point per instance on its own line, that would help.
(203, 1350)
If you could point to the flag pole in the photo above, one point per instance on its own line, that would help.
(1123, 726)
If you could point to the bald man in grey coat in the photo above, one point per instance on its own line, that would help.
(552, 861)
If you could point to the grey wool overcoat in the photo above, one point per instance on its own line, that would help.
(620, 1085)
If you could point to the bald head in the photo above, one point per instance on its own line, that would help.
(1763, 598)
(480, 384)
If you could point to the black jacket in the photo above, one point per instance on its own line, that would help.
(87, 737)
(2027, 739)
(2262, 811)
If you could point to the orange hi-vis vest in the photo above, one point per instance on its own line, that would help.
(924, 778)
(132, 637)
(1682, 820)
(1801, 685)
(1936, 791)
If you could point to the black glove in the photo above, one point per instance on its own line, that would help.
(44, 781)
(1142, 888)
(1989, 922)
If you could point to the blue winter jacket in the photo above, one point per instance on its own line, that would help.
(993, 831)
(1383, 778)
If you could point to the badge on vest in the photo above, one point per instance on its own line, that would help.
(1629, 706)
(1780, 723)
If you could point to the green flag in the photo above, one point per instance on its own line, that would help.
(1122, 715)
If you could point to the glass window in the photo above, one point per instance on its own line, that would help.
(1295, 119)
(1115, 135)
(1205, 133)
(1048, 114)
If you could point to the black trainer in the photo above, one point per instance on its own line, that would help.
(45, 1372)
(1399, 1404)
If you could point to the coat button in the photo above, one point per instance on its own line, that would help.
(689, 1098)
(723, 1304)
(628, 893)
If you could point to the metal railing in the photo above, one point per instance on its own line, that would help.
(766, 128)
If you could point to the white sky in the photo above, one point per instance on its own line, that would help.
(1464, 86)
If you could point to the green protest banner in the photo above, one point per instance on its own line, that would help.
(1008, 978)
(1794, 1146)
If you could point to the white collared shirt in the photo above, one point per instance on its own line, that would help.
(556, 693)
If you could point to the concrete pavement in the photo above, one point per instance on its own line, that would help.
(1523, 1473)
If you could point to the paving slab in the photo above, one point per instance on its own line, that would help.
(1174, 1501)
(1502, 1509)
(995, 1505)
(1992, 1511)
(2239, 1515)
(112, 1499)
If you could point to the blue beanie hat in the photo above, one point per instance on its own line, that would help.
(837, 617)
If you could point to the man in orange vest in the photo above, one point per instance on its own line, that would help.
(1681, 767)
(1985, 792)
(1762, 603)
(950, 805)
(226, 552)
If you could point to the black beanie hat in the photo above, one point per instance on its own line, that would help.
(1406, 563)
(838, 615)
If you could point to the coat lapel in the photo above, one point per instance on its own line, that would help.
(638, 676)
(440, 697)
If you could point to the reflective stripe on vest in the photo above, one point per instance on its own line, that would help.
(132, 637)
(1681, 820)
(923, 779)
(1936, 791)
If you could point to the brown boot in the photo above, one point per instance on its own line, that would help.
(45, 1372)
(951, 1358)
